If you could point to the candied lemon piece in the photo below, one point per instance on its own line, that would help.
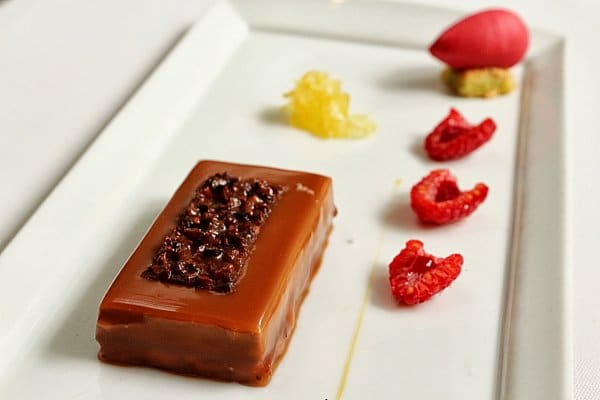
(318, 105)
(481, 82)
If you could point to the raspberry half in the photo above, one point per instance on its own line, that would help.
(437, 199)
(415, 276)
(455, 137)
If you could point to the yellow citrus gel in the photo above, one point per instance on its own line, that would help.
(318, 105)
(482, 82)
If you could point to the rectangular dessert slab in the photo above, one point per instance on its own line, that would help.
(235, 336)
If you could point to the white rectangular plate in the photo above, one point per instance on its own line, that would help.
(499, 332)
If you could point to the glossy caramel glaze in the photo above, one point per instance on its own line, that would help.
(236, 336)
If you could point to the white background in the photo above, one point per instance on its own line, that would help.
(66, 66)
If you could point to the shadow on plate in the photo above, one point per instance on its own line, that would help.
(415, 79)
(381, 295)
(273, 116)
(399, 215)
(75, 337)
(417, 147)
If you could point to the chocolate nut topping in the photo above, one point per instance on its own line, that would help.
(216, 234)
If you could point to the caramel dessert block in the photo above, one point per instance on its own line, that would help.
(215, 286)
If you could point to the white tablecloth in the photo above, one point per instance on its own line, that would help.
(66, 67)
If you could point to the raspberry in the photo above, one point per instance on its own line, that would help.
(415, 276)
(454, 137)
(437, 199)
